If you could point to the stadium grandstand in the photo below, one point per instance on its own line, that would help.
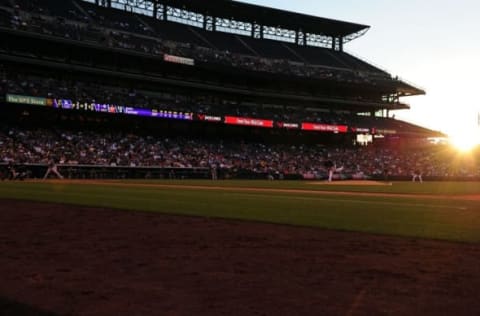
(174, 87)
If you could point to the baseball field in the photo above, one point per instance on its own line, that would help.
(181, 247)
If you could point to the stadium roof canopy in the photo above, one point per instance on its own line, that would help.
(269, 16)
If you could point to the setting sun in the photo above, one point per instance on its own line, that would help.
(465, 141)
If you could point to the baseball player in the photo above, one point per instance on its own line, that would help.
(52, 168)
(332, 168)
(12, 171)
(417, 174)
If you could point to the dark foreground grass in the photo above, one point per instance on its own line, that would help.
(447, 219)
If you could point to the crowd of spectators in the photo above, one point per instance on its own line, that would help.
(19, 145)
(38, 146)
(134, 35)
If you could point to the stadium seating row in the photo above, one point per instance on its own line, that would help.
(61, 86)
(35, 145)
(129, 31)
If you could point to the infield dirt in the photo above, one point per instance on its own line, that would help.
(91, 261)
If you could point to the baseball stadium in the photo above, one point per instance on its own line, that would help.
(180, 157)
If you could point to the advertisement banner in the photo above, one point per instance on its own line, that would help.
(287, 125)
(172, 115)
(63, 104)
(178, 60)
(324, 128)
(246, 121)
(84, 106)
(23, 99)
(103, 108)
(138, 111)
(209, 118)
(384, 131)
(360, 130)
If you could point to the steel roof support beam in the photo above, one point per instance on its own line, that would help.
(155, 9)
(196, 15)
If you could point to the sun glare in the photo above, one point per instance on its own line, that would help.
(465, 142)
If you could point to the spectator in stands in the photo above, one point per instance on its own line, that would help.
(128, 33)
(94, 148)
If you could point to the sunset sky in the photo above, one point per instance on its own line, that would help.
(432, 43)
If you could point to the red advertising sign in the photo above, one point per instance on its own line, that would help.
(324, 128)
(233, 120)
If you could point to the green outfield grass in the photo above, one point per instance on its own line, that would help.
(440, 188)
(414, 216)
